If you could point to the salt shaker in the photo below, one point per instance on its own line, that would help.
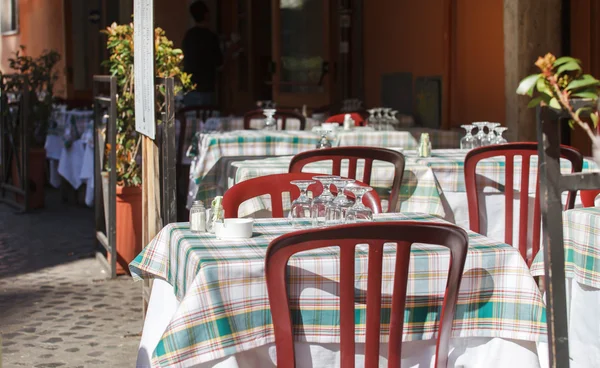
(425, 145)
(198, 217)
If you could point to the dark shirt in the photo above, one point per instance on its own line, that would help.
(202, 57)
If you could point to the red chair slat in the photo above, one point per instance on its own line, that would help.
(346, 237)
(282, 115)
(353, 154)
(275, 185)
(509, 151)
(588, 197)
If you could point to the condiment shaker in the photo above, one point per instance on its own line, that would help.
(198, 217)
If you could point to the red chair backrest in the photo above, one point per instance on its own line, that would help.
(346, 237)
(339, 118)
(275, 185)
(282, 115)
(509, 151)
(588, 197)
(353, 154)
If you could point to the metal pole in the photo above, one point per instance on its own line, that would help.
(25, 114)
(112, 178)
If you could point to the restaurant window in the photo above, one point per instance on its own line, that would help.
(9, 16)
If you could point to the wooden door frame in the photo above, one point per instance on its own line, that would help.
(449, 52)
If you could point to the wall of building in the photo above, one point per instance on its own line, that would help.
(41, 27)
(410, 36)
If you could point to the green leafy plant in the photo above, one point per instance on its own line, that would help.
(168, 63)
(40, 75)
(560, 81)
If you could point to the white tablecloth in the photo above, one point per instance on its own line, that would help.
(464, 352)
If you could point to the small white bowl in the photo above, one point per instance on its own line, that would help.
(234, 229)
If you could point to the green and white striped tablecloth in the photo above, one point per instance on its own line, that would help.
(581, 232)
(224, 307)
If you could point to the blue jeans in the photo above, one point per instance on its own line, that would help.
(195, 98)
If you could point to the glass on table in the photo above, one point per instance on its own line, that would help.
(300, 211)
(499, 138)
(319, 205)
(270, 122)
(335, 211)
(468, 141)
(480, 138)
(324, 142)
(491, 134)
(358, 212)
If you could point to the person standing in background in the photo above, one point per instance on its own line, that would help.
(202, 57)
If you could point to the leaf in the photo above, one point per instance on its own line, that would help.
(581, 110)
(594, 117)
(535, 101)
(585, 81)
(585, 94)
(571, 123)
(568, 66)
(564, 60)
(542, 87)
(554, 103)
(527, 84)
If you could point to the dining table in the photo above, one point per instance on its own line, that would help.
(209, 305)
(434, 185)
(581, 239)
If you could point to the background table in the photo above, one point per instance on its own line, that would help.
(222, 304)
(581, 229)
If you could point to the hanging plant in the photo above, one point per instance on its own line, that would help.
(559, 82)
(168, 63)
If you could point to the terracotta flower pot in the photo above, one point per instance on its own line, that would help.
(129, 226)
(36, 175)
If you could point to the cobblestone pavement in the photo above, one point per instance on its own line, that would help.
(57, 307)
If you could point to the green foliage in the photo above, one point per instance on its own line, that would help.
(40, 75)
(168, 61)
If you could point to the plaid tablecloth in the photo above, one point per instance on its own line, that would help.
(406, 138)
(581, 232)
(420, 191)
(224, 306)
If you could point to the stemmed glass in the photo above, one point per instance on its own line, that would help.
(481, 138)
(491, 134)
(270, 122)
(300, 210)
(468, 141)
(386, 119)
(335, 212)
(394, 119)
(499, 138)
(372, 117)
(359, 212)
(324, 142)
(319, 205)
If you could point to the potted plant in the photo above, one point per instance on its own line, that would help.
(41, 76)
(560, 83)
(168, 62)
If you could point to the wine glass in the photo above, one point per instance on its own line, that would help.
(468, 141)
(386, 118)
(335, 212)
(481, 138)
(491, 134)
(319, 204)
(270, 122)
(371, 119)
(324, 142)
(300, 210)
(359, 212)
(499, 138)
(394, 119)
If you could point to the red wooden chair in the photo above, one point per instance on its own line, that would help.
(201, 113)
(346, 237)
(588, 197)
(359, 120)
(282, 115)
(275, 185)
(353, 154)
(509, 151)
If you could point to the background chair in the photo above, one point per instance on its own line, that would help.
(275, 185)
(359, 120)
(353, 155)
(509, 151)
(346, 237)
(282, 115)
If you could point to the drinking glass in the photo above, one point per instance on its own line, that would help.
(359, 212)
(319, 204)
(468, 141)
(300, 210)
(481, 138)
(335, 212)
(371, 118)
(499, 131)
(324, 142)
(386, 118)
(270, 122)
(491, 134)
